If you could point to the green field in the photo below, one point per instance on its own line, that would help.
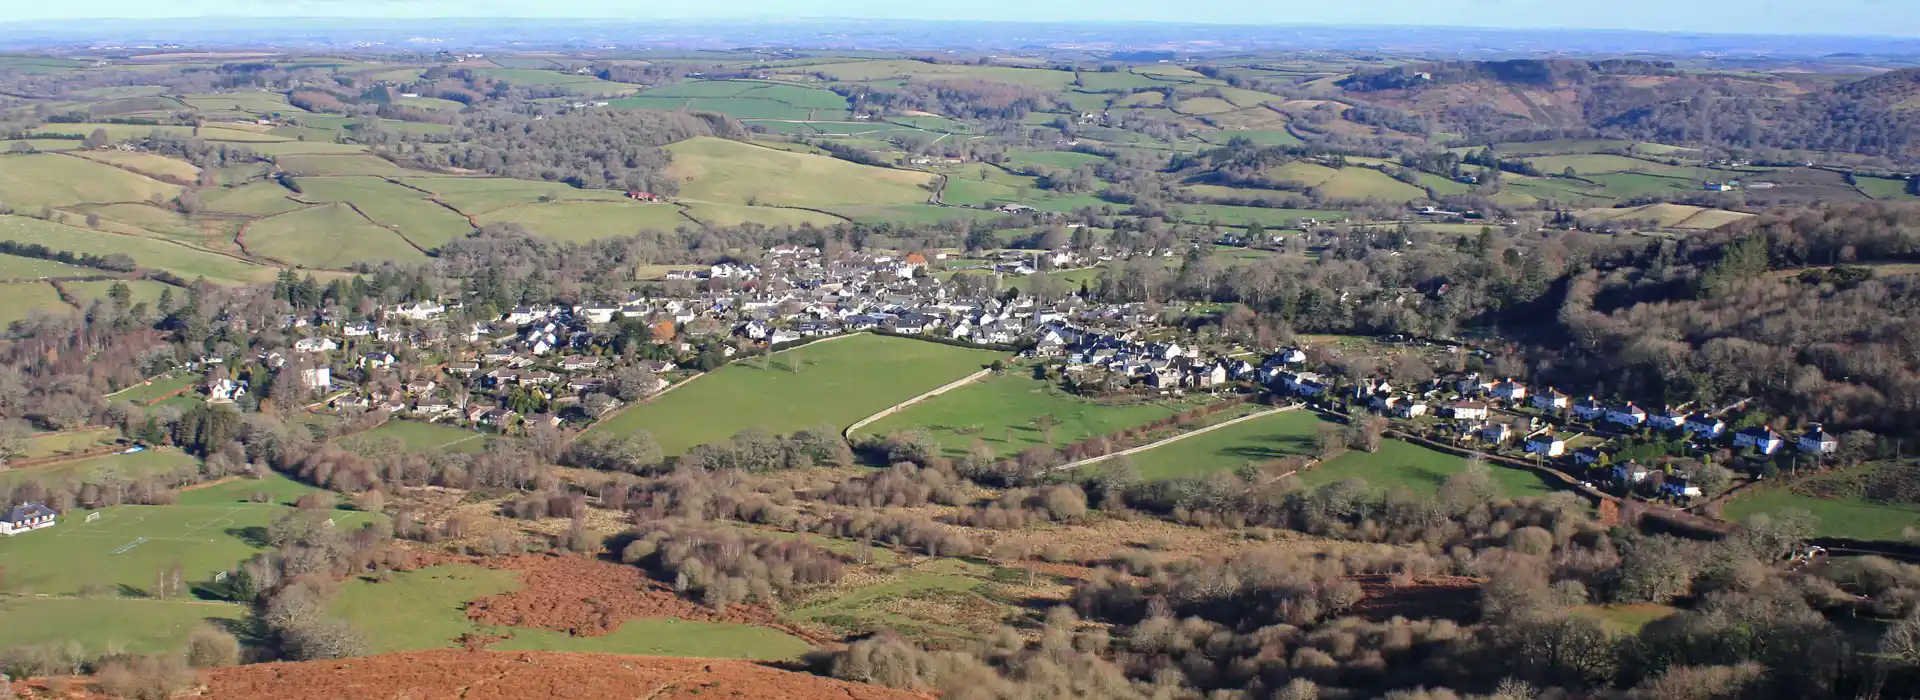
(327, 236)
(256, 199)
(1882, 187)
(839, 382)
(147, 291)
(147, 253)
(149, 164)
(426, 609)
(203, 539)
(585, 221)
(1353, 184)
(421, 435)
(128, 467)
(993, 409)
(157, 389)
(348, 164)
(1259, 440)
(274, 487)
(1054, 159)
(406, 210)
(913, 214)
(731, 172)
(1594, 164)
(210, 232)
(1853, 518)
(1624, 619)
(1416, 468)
(19, 300)
(726, 215)
(63, 443)
(34, 180)
(480, 195)
(101, 625)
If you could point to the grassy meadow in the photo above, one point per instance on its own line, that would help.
(837, 382)
(730, 172)
(1006, 413)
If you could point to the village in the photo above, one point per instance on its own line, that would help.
(559, 366)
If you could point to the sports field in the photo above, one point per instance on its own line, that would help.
(837, 382)
(123, 550)
(100, 625)
(1010, 412)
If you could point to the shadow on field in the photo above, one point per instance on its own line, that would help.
(254, 536)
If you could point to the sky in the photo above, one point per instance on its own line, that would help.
(1848, 17)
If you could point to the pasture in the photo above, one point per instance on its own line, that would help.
(342, 164)
(1851, 517)
(730, 172)
(129, 545)
(125, 467)
(15, 267)
(206, 231)
(156, 389)
(1401, 464)
(65, 443)
(101, 625)
(20, 300)
(326, 236)
(36, 180)
(585, 221)
(1011, 412)
(254, 199)
(480, 195)
(1352, 184)
(719, 215)
(407, 211)
(1259, 440)
(149, 164)
(836, 383)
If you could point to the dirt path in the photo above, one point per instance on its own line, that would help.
(1174, 439)
(896, 408)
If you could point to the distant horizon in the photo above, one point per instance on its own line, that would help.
(1834, 18)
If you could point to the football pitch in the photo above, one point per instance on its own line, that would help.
(122, 551)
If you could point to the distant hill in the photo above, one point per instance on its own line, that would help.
(1650, 100)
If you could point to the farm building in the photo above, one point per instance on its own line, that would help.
(27, 517)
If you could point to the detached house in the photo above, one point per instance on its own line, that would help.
(27, 517)
(1469, 410)
(1761, 438)
(1667, 419)
(1510, 390)
(315, 345)
(1546, 444)
(1589, 409)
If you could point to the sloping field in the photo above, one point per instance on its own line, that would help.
(211, 232)
(480, 195)
(147, 291)
(304, 148)
(1012, 412)
(326, 236)
(255, 199)
(1347, 183)
(1595, 164)
(137, 625)
(919, 70)
(1259, 440)
(18, 300)
(406, 210)
(145, 163)
(45, 179)
(734, 215)
(15, 267)
(1668, 215)
(731, 172)
(504, 675)
(838, 382)
(342, 165)
(258, 102)
(149, 253)
(585, 221)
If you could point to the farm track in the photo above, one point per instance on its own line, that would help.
(896, 408)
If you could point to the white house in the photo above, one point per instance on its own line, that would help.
(1589, 409)
(1551, 400)
(320, 378)
(782, 336)
(1496, 432)
(1628, 415)
(27, 517)
(1305, 383)
(1510, 390)
(1546, 444)
(1410, 409)
(1761, 438)
(1469, 410)
(315, 345)
(1818, 441)
(379, 360)
(420, 310)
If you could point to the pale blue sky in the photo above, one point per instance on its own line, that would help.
(1862, 17)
